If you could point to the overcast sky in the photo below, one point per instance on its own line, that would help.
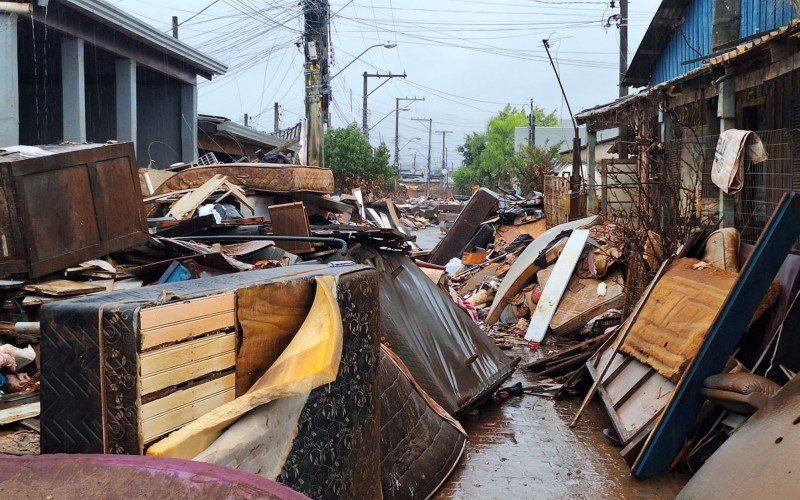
(468, 58)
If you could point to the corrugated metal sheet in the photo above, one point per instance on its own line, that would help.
(689, 41)
(759, 16)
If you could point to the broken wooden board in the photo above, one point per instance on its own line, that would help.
(434, 274)
(551, 295)
(17, 413)
(674, 321)
(632, 392)
(524, 269)
(163, 415)
(185, 361)
(268, 318)
(581, 301)
(63, 288)
(476, 279)
(183, 320)
(18, 406)
(290, 219)
(188, 203)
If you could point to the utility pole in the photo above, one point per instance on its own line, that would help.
(444, 146)
(397, 130)
(623, 68)
(316, 13)
(623, 46)
(277, 127)
(367, 93)
(532, 128)
(430, 141)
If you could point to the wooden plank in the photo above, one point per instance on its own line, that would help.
(645, 403)
(622, 389)
(185, 207)
(179, 408)
(17, 413)
(63, 288)
(754, 280)
(187, 330)
(556, 286)
(176, 312)
(524, 269)
(290, 219)
(186, 361)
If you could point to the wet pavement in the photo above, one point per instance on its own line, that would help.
(524, 448)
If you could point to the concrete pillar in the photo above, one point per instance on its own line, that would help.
(9, 82)
(126, 100)
(726, 111)
(591, 162)
(188, 122)
(73, 89)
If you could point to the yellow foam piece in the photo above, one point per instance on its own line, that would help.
(310, 360)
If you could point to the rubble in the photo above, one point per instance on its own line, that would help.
(269, 299)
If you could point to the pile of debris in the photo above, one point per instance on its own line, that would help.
(680, 368)
(171, 313)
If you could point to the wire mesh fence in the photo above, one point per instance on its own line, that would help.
(765, 183)
(689, 160)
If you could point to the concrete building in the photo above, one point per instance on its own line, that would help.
(561, 136)
(85, 71)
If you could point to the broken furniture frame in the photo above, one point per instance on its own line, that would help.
(69, 206)
(672, 428)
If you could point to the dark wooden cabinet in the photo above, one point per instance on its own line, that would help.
(62, 205)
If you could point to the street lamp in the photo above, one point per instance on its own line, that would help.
(384, 45)
(409, 142)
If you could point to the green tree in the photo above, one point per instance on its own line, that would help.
(355, 163)
(489, 157)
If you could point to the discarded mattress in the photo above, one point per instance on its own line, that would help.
(673, 323)
(140, 377)
(258, 176)
(523, 270)
(482, 204)
(450, 357)
(582, 301)
(761, 460)
(121, 476)
(420, 443)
